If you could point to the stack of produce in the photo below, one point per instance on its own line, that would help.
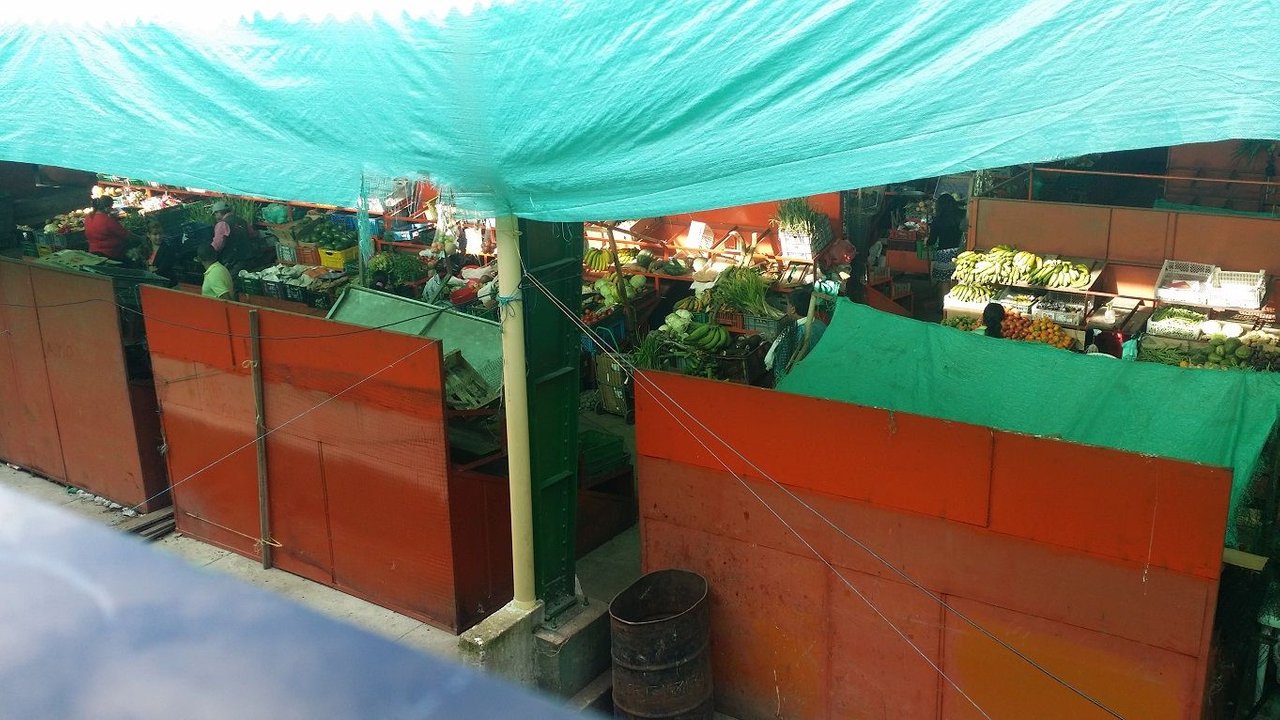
(1015, 326)
(1176, 322)
(700, 301)
(743, 289)
(400, 268)
(598, 260)
(67, 222)
(1254, 350)
(318, 230)
(973, 293)
(962, 323)
(1005, 265)
(607, 287)
(1044, 330)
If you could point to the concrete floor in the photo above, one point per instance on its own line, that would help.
(603, 573)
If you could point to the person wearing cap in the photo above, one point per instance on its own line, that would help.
(233, 238)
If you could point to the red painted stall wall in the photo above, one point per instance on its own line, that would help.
(67, 407)
(357, 457)
(1100, 565)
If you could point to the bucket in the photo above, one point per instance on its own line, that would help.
(661, 630)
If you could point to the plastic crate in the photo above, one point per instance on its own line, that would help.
(294, 293)
(611, 331)
(766, 327)
(1195, 276)
(338, 259)
(252, 286)
(1071, 318)
(1233, 288)
(273, 289)
(286, 254)
(345, 221)
(601, 453)
(729, 318)
(322, 300)
(700, 317)
(308, 253)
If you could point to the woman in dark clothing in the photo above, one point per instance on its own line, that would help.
(945, 231)
(992, 320)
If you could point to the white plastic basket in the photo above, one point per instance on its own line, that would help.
(1231, 288)
(1073, 316)
(1184, 282)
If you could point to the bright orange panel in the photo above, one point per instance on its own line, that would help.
(903, 461)
(1042, 227)
(1138, 236)
(769, 635)
(29, 433)
(1231, 242)
(1134, 680)
(1142, 509)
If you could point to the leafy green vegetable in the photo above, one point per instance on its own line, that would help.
(400, 267)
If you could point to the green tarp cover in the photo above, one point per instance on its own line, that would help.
(1219, 418)
(573, 110)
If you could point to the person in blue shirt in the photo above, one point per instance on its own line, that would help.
(790, 347)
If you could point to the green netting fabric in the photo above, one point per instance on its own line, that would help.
(569, 111)
(1214, 418)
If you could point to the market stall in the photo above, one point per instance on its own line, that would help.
(1189, 282)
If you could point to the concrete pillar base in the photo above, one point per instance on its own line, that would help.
(503, 643)
(574, 652)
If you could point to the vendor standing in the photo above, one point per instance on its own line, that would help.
(104, 233)
(947, 225)
(441, 284)
(233, 238)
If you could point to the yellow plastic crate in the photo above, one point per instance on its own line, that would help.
(337, 259)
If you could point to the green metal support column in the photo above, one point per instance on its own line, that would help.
(552, 253)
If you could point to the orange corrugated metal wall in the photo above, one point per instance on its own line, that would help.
(360, 484)
(69, 410)
(1101, 565)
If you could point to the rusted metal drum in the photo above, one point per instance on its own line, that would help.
(661, 629)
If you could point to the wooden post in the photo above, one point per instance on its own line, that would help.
(624, 290)
(264, 504)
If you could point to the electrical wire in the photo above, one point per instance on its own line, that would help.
(861, 545)
(816, 553)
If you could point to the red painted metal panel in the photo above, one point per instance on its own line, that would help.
(299, 507)
(1135, 680)
(1153, 605)
(482, 544)
(1150, 510)
(950, 479)
(769, 639)
(1156, 609)
(28, 424)
(391, 533)
(80, 335)
(874, 673)
(357, 454)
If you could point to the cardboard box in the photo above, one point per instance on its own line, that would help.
(614, 400)
(609, 372)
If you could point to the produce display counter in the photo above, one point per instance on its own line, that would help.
(77, 408)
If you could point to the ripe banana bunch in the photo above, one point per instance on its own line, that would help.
(598, 260)
(708, 338)
(1061, 273)
(973, 293)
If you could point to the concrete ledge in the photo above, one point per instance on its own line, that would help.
(503, 643)
(574, 652)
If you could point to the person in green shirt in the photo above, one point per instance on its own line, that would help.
(217, 279)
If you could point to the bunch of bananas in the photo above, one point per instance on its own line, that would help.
(973, 293)
(697, 302)
(598, 260)
(707, 337)
(1061, 273)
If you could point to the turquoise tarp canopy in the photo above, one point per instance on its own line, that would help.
(587, 109)
(872, 358)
